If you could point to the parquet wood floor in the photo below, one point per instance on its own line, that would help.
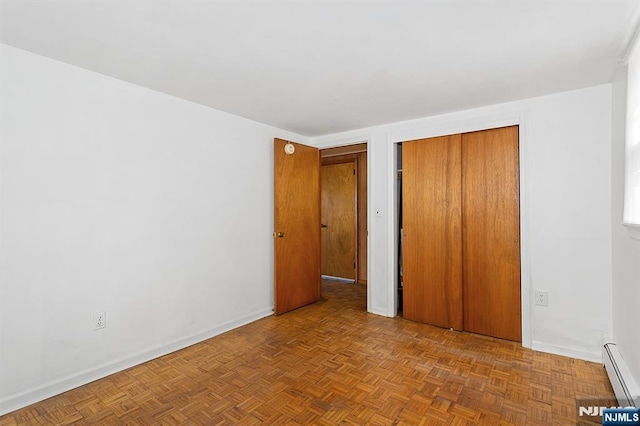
(332, 363)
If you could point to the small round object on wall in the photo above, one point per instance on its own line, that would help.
(289, 148)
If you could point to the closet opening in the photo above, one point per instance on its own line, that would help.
(398, 228)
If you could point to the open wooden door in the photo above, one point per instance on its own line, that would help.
(296, 225)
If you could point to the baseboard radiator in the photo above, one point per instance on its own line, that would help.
(624, 386)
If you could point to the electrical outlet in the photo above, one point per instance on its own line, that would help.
(99, 320)
(542, 298)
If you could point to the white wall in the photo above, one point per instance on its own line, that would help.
(117, 198)
(565, 154)
(625, 250)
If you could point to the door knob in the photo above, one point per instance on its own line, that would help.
(322, 225)
(278, 234)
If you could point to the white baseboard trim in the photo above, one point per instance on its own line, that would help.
(379, 311)
(566, 351)
(23, 399)
(331, 277)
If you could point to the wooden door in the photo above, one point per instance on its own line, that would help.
(296, 226)
(491, 234)
(339, 224)
(357, 153)
(432, 242)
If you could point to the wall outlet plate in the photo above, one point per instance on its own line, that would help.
(542, 298)
(99, 320)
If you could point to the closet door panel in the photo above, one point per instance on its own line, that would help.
(491, 233)
(432, 242)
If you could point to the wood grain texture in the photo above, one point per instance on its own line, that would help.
(432, 243)
(297, 215)
(491, 234)
(361, 160)
(333, 363)
(339, 239)
(362, 218)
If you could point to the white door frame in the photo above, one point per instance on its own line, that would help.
(355, 140)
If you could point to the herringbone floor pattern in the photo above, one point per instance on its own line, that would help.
(332, 363)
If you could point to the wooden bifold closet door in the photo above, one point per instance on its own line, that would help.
(491, 233)
(461, 232)
(431, 224)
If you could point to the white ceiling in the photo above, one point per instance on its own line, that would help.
(317, 67)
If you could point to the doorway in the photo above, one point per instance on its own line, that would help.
(344, 213)
(298, 223)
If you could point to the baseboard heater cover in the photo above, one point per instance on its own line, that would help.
(623, 384)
